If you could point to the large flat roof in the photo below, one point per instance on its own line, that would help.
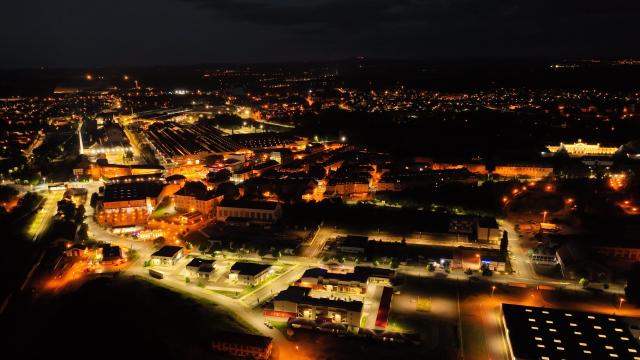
(249, 204)
(541, 333)
(248, 268)
(167, 251)
(132, 191)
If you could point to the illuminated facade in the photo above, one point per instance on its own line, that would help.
(128, 204)
(295, 302)
(580, 149)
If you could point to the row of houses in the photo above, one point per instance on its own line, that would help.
(245, 273)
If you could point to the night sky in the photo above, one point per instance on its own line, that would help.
(88, 33)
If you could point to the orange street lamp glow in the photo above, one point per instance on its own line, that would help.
(620, 303)
(505, 199)
(88, 77)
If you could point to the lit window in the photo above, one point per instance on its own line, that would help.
(538, 338)
(573, 324)
(613, 355)
(557, 341)
(541, 346)
(577, 332)
(567, 314)
(602, 336)
(597, 327)
(591, 317)
(633, 350)
(549, 322)
(583, 344)
(527, 310)
(560, 348)
(608, 347)
(545, 312)
(612, 319)
(532, 320)
(624, 338)
(534, 328)
(586, 351)
(552, 330)
(618, 330)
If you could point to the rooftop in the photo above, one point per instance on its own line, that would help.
(167, 251)
(247, 268)
(132, 191)
(300, 295)
(249, 204)
(541, 333)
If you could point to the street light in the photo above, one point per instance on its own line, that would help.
(544, 216)
(620, 303)
(493, 288)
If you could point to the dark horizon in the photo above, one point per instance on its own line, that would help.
(187, 32)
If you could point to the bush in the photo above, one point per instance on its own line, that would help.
(468, 271)
(431, 267)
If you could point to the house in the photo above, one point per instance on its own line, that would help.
(167, 255)
(355, 282)
(242, 345)
(261, 212)
(295, 302)
(353, 244)
(249, 273)
(194, 196)
(76, 250)
(111, 254)
(200, 268)
(488, 231)
(128, 203)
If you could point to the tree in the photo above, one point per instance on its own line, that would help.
(317, 172)
(632, 290)
(158, 242)
(584, 282)
(80, 214)
(219, 176)
(94, 200)
(83, 234)
(212, 159)
(67, 209)
(504, 244)
(7, 193)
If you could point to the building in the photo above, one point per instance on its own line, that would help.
(128, 204)
(167, 255)
(527, 171)
(108, 171)
(110, 254)
(200, 268)
(580, 149)
(194, 196)
(488, 231)
(249, 273)
(260, 212)
(355, 282)
(353, 244)
(295, 302)
(242, 345)
(544, 333)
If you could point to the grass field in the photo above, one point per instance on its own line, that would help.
(115, 318)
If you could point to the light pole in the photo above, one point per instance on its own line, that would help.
(544, 216)
(620, 303)
(493, 288)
